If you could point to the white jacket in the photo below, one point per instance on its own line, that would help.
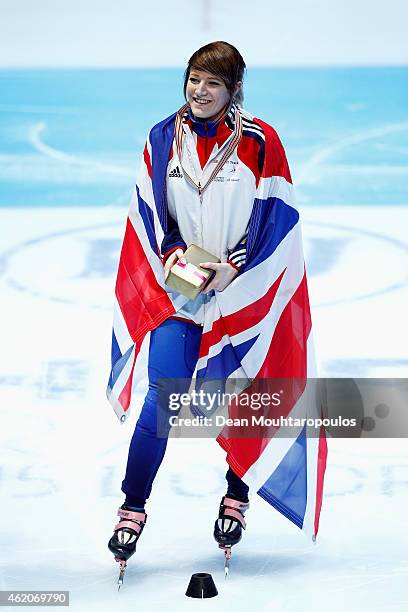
(217, 220)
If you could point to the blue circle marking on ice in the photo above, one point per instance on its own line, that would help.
(347, 264)
(78, 269)
(78, 265)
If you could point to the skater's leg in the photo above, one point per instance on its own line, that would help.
(173, 353)
(237, 489)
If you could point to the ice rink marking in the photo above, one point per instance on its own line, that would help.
(13, 283)
(34, 138)
(370, 234)
(309, 168)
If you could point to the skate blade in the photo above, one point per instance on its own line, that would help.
(121, 572)
(227, 551)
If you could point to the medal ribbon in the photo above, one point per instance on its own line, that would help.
(179, 133)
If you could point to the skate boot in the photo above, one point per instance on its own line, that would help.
(126, 534)
(228, 527)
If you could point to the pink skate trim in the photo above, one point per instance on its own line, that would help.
(131, 524)
(235, 514)
(132, 515)
(234, 503)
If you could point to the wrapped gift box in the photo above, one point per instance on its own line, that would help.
(189, 278)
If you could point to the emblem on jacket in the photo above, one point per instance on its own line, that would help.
(230, 167)
(175, 173)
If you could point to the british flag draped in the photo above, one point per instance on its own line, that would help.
(259, 327)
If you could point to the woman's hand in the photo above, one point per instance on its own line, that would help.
(224, 274)
(171, 260)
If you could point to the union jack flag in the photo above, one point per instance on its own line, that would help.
(259, 327)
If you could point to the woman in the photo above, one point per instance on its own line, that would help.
(204, 169)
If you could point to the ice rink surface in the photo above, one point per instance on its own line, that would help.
(63, 452)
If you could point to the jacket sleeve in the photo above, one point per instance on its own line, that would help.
(237, 255)
(172, 239)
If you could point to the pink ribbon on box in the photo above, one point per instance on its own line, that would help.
(203, 278)
(196, 273)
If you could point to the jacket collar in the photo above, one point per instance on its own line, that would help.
(204, 128)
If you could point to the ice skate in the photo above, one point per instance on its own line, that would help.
(228, 527)
(126, 534)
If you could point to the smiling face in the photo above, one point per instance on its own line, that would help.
(206, 94)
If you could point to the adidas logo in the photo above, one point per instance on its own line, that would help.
(176, 173)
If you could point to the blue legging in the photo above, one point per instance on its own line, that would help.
(173, 353)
